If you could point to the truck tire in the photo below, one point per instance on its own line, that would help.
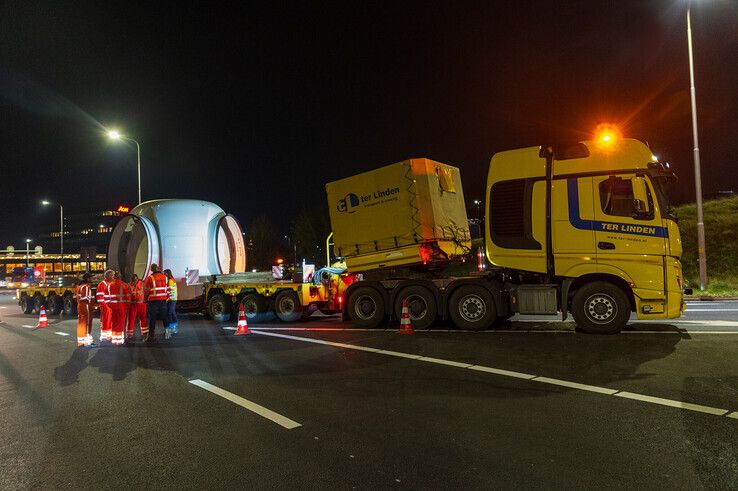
(26, 304)
(287, 306)
(38, 302)
(219, 307)
(69, 305)
(366, 308)
(421, 304)
(53, 305)
(600, 308)
(255, 307)
(472, 307)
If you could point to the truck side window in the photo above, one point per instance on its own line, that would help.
(510, 214)
(617, 197)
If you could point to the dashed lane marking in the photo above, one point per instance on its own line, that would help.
(507, 373)
(61, 333)
(711, 310)
(245, 403)
(672, 403)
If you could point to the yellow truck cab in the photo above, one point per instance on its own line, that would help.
(585, 228)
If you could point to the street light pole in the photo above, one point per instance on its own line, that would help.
(28, 241)
(116, 135)
(61, 231)
(697, 174)
(61, 236)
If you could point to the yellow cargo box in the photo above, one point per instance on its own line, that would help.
(405, 213)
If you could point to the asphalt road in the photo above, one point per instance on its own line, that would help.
(317, 405)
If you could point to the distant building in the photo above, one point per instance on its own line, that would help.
(80, 230)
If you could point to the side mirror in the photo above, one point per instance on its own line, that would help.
(640, 211)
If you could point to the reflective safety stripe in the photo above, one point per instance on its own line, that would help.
(84, 340)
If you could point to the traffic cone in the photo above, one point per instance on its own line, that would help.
(42, 320)
(242, 327)
(406, 327)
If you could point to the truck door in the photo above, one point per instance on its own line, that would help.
(628, 231)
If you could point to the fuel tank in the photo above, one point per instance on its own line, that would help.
(181, 235)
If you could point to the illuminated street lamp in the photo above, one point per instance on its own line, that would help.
(28, 242)
(61, 230)
(702, 256)
(478, 203)
(115, 135)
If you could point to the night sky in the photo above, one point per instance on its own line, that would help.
(256, 107)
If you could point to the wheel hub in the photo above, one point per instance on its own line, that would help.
(471, 307)
(601, 308)
(365, 307)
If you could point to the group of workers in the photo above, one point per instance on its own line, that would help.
(121, 304)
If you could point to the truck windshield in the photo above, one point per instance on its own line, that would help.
(660, 184)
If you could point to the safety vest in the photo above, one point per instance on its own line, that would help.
(137, 292)
(118, 293)
(83, 293)
(172, 290)
(102, 293)
(155, 287)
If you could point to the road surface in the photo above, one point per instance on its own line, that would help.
(317, 405)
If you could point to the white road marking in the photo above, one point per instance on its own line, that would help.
(29, 327)
(245, 403)
(507, 373)
(734, 414)
(711, 310)
(575, 385)
(61, 333)
(229, 328)
(673, 403)
(504, 373)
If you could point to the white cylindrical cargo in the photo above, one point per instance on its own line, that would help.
(177, 234)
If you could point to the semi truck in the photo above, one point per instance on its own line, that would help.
(583, 228)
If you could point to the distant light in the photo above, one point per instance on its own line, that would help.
(28, 241)
(253, 270)
(44, 202)
(114, 135)
(123, 209)
(280, 260)
(101, 225)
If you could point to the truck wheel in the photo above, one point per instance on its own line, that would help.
(366, 308)
(421, 305)
(26, 304)
(472, 307)
(53, 305)
(600, 308)
(287, 306)
(69, 305)
(38, 302)
(255, 307)
(219, 308)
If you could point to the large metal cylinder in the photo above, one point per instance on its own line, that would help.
(177, 234)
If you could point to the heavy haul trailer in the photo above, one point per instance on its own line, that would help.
(54, 298)
(584, 228)
(264, 297)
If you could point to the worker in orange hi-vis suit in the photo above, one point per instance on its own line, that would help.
(137, 310)
(83, 295)
(102, 295)
(119, 301)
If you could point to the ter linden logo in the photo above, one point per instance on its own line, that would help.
(351, 201)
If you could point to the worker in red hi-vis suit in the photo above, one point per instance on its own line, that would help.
(83, 295)
(101, 297)
(137, 310)
(119, 301)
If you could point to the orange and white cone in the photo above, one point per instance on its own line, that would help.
(42, 320)
(242, 327)
(406, 327)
